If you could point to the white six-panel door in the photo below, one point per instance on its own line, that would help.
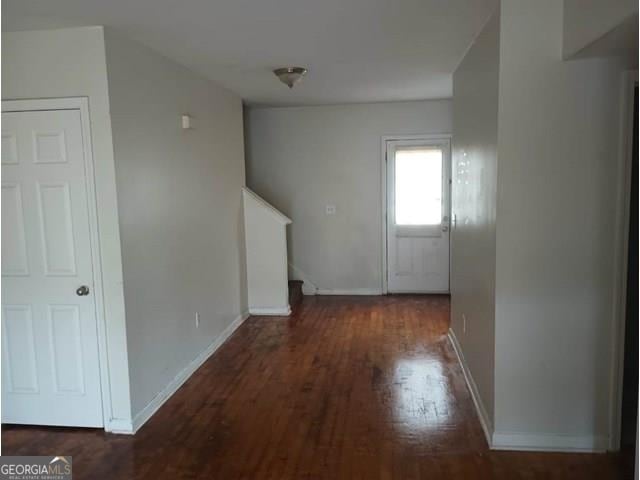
(418, 173)
(50, 363)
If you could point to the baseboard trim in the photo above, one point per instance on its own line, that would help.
(308, 287)
(152, 407)
(483, 416)
(548, 442)
(523, 441)
(354, 291)
(274, 311)
(120, 426)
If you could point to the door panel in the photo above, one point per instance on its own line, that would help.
(50, 373)
(14, 247)
(65, 333)
(418, 216)
(19, 349)
(54, 208)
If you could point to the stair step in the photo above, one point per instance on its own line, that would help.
(295, 292)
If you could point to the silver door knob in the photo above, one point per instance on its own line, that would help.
(82, 291)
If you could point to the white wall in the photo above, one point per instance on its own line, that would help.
(537, 341)
(71, 63)
(266, 245)
(473, 237)
(181, 225)
(585, 21)
(302, 159)
(556, 209)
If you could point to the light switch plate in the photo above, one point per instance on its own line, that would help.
(331, 209)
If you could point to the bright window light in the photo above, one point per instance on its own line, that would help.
(418, 186)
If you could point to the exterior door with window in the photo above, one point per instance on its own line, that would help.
(418, 177)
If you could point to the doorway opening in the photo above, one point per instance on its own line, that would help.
(629, 407)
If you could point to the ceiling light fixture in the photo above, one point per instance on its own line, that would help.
(290, 75)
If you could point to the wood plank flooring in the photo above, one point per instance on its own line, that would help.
(346, 388)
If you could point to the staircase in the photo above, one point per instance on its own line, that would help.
(295, 293)
(270, 292)
(266, 246)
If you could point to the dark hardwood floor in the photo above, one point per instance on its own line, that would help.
(346, 388)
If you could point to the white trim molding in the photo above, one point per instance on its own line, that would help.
(523, 441)
(120, 426)
(308, 287)
(483, 416)
(152, 407)
(548, 442)
(352, 291)
(271, 311)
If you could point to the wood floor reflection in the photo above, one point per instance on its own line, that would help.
(345, 388)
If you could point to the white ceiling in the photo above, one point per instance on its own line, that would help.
(355, 50)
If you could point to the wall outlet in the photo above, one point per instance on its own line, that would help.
(464, 323)
(197, 320)
(330, 209)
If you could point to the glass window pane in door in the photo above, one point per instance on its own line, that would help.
(418, 186)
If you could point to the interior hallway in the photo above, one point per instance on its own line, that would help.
(347, 387)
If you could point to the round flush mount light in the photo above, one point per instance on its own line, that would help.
(290, 75)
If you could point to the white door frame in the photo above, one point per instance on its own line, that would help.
(82, 104)
(621, 257)
(383, 187)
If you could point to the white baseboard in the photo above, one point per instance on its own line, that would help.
(274, 311)
(120, 425)
(152, 407)
(523, 441)
(483, 416)
(354, 291)
(548, 442)
(308, 287)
